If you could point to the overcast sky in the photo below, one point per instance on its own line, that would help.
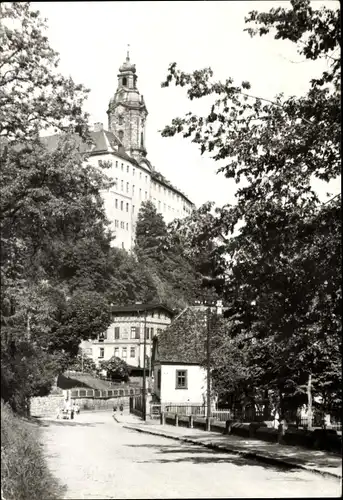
(92, 39)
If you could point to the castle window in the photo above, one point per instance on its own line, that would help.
(133, 171)
(159, 205)
(121, 205)
(124, 81)
(164, 206)
(122, 225)
(122, 166)
(142, 141)
(146, 178)
(146, 195)
(140, 175)
(127, 207)
(122, 245)
(116, 203)
(133, 209)
(122, 185)
(116, 164)
(127, 226)
(140, 193)
(127, 187)
(133, 189)
(116, 223)
(127, 168)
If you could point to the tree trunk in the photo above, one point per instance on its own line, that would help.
(309, 402)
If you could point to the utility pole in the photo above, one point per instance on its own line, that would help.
(144, 363)
(208, 356)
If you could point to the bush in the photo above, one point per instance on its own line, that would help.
(24, 471)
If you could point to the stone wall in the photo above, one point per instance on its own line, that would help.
(46, 406)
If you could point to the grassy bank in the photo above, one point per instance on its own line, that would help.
(24, 471)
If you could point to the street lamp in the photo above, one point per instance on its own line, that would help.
(144, 364)
(219, 308)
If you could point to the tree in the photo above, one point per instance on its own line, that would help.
(50, 201)
(174, 278)
(151, 231)
(281, 277)
(33, 96)
(117, 369)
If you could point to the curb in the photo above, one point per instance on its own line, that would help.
(246, 454)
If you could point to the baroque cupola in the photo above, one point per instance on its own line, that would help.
(127, 112)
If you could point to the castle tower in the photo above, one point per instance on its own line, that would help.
(127, 112)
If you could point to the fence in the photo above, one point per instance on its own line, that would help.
(104, 393)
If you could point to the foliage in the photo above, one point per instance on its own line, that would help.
(282, 273)
(33, 96)
(82, 363)
(24, 471)
(117, 369)
(52, 214)
(174, 279)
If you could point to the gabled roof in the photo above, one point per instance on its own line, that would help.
(141, 308)
(184, 340)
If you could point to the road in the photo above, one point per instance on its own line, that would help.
(96, 458)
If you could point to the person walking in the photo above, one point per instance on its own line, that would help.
(121, 408)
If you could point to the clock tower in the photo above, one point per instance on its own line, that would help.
(127, 112)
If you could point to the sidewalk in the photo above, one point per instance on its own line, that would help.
(322, 462)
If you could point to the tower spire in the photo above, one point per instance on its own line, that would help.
(128, 53)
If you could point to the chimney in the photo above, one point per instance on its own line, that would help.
(98, 127)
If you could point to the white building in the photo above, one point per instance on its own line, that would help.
(123, 146)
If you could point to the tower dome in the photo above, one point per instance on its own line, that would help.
(127, 111)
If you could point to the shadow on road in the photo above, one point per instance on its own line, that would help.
(66, 423)
(195, 454)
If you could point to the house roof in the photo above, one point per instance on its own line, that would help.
(184, 340)
(141, 308)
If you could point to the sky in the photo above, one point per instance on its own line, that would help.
(92, 39)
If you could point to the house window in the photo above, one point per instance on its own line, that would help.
(124, 352)
(159, 331)
(116, 352)
(116, 223)
(147, 333)
(121, 205)
(101, 352)
(159, 379)
(102, 336)
(140, 193)
(116, 332)
(127, 187)
(116, 203)
(127, 207)
(133, 171)
(127, 168)
(133, 209)
(181, 379)
(122, 167)
(138, 332)
(116, 164)
(133, 189)
(152, 332)
(146, 178)
(122, 185)
(133, 332)
(122, 225)
(140, 175)
(146, 195)
(132, 352)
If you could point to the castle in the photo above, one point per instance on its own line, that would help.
(136, 180)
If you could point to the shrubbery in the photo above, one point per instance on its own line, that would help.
(24, 471)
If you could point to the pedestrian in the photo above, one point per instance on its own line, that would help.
(121, 408)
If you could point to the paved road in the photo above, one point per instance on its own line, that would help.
(96, 458)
